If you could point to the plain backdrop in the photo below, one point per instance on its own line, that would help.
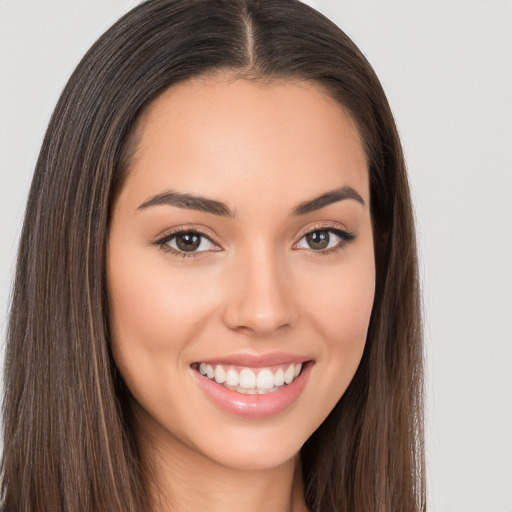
(446, 66)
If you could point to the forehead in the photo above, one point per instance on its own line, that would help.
(217, 136)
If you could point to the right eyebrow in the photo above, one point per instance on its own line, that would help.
(188, 201)
(333, 196)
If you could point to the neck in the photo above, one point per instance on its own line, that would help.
(183, 480)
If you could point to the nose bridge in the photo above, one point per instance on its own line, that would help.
(260, 300)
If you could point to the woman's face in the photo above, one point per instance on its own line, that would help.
(241, 268)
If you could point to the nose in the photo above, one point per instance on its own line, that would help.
(260, 298)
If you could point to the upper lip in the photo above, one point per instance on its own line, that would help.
(256, 360)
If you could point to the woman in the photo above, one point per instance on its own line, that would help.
(216, 301)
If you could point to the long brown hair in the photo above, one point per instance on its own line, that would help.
(68, 438)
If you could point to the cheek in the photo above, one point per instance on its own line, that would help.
(154, 315)
(340, 311)
(342, 305)
(347, 310)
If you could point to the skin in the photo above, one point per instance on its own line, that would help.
(262, 149)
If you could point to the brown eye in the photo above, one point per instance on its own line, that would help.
(188, 241)
(318, 240)
(323, 240)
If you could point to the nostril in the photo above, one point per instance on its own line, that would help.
(257, 321)
(260, 301)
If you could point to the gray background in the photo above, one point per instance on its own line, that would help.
(446, 66)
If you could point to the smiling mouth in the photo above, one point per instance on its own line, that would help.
(250, 381)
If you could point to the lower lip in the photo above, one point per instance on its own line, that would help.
(254, 406)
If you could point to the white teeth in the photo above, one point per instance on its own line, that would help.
(289, 374)
(265, 379)
(220, 375)
(279, 378)
(232, 378)
(250, 382)
(247, 379)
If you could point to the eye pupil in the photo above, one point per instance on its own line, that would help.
(188, 241)
(318, 239)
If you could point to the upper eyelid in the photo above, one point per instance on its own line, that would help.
(186, 229)
(323, 226)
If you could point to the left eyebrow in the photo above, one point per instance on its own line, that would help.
(333, 196)
(189, 202)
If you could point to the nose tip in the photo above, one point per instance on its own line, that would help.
(260, 321)
(259, 302)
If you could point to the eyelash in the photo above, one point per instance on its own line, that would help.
(345, 236)
(163, 242)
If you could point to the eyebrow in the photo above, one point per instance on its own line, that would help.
(203, 204)
(188, 201)
(333, 196)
